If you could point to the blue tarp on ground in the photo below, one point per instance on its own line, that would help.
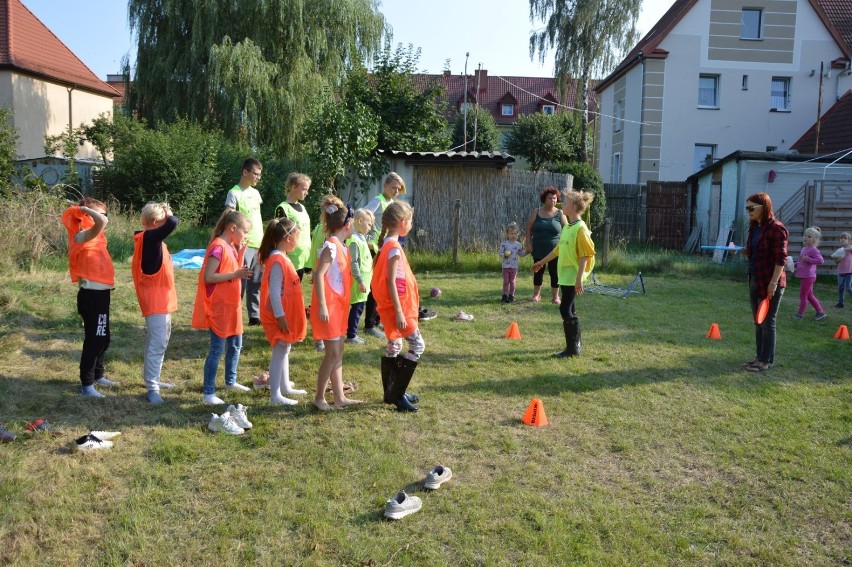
(189, 258)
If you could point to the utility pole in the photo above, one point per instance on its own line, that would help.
(466, 55)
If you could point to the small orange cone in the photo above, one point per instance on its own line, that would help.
(842, 333)
(535, 414)
(513, 332)
(714, 333)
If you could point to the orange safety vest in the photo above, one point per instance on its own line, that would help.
(222, 311)
(88, 260)
(406, 287)
(291, 299)
(155, 292)
(338, 304)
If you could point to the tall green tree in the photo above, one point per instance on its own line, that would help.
(247, 67)
(412, 117)
(588, 36)
(483, 134)
(544, 139)
(8, 147)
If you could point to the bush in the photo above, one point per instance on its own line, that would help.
(31, 219)
(588, 179)
(483, 135)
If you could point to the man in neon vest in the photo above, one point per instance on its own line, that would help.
(246, 199)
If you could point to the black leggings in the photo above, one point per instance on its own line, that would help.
(93, 307)
(552, 268)
(566, 308)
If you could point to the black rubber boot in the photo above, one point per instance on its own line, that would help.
(572, 339)
(403, 371)
(388, 363)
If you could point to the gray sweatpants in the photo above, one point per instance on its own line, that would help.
(158, 329)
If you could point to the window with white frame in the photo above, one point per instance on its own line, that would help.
(616, 168)
(465, 105)
(708, 91)
(507, 109)
(751, 23)
(779, 97)
(703, 156)
(619, 115)
(548, 109)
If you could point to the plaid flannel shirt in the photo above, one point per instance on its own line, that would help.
(771, 251)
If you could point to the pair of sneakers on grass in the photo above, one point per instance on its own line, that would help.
(403, 504)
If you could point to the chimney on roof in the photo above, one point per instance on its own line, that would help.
(447, 72)
(480, 80)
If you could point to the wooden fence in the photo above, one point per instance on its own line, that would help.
(658, 213)
(489, 198)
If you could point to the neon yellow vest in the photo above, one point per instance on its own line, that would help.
(366, 266)
(248, 203)
(568, 259)
(299, 255)
(383, 203)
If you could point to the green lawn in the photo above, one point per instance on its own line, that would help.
(660, 448)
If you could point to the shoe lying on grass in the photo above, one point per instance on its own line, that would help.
(6, 435)
(402, 505)
(426, 314)
(91, 442)
(105, 435)
(239, 415)
(224, 423)
(261, 381)
(462, 316)
(42, 426)
(437, 476)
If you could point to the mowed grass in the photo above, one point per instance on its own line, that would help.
(660, 448)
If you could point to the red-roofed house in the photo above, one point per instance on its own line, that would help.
(506, 98)
(44, 83)
(835, 130)
(716, 76)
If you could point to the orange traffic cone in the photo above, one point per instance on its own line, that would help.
(513, 332)
(535, 414)
(714, 333)
(842, 333)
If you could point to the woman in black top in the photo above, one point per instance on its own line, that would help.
(543, 229)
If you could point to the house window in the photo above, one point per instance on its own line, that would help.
(745, 82)
(548, 109)
(619, 116)
(703, 156)
(771, 148)
(465, 105)
(507, 109)
(708, 91)
(779, 98)
(616, 168)
(752, 21)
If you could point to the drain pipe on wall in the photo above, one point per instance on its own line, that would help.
(641, 118)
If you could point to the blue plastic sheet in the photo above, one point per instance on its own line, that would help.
(189, 258)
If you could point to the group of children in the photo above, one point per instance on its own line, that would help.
(342, 278)
(805, 269)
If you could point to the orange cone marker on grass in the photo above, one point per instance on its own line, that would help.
(535, 414)
(513, 332)
(842, 333)
(714, 333)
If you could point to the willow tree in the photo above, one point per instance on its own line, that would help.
(588, 36)
(248, 67)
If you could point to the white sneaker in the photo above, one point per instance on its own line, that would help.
(104, 381)
(90, 442)
(213, 400)
(239, 415)
(236, 387)
(105, 435)
(402, 505)
(224, 423)
(437, 476)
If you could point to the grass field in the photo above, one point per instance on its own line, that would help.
(660, 448)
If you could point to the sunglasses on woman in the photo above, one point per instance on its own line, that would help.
(750, 208)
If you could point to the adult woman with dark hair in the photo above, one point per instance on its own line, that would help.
(543, 229)
(766, 249)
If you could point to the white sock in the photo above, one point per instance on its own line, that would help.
(287, 388)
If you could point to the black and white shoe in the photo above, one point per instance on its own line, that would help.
(426, 315)
(89, 442)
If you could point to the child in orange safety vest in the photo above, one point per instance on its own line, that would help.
(218, 302)
(154, 278)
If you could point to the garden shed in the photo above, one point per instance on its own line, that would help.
(490, 195)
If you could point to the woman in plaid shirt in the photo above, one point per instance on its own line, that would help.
(766, 248)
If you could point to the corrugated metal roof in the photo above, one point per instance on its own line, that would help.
(490, 158)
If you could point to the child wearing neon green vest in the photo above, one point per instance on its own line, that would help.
(296, 189)
(247, 200)
(361, 264)
(576, 253)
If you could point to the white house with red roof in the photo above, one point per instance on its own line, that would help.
(716, 76)
(44, 83)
